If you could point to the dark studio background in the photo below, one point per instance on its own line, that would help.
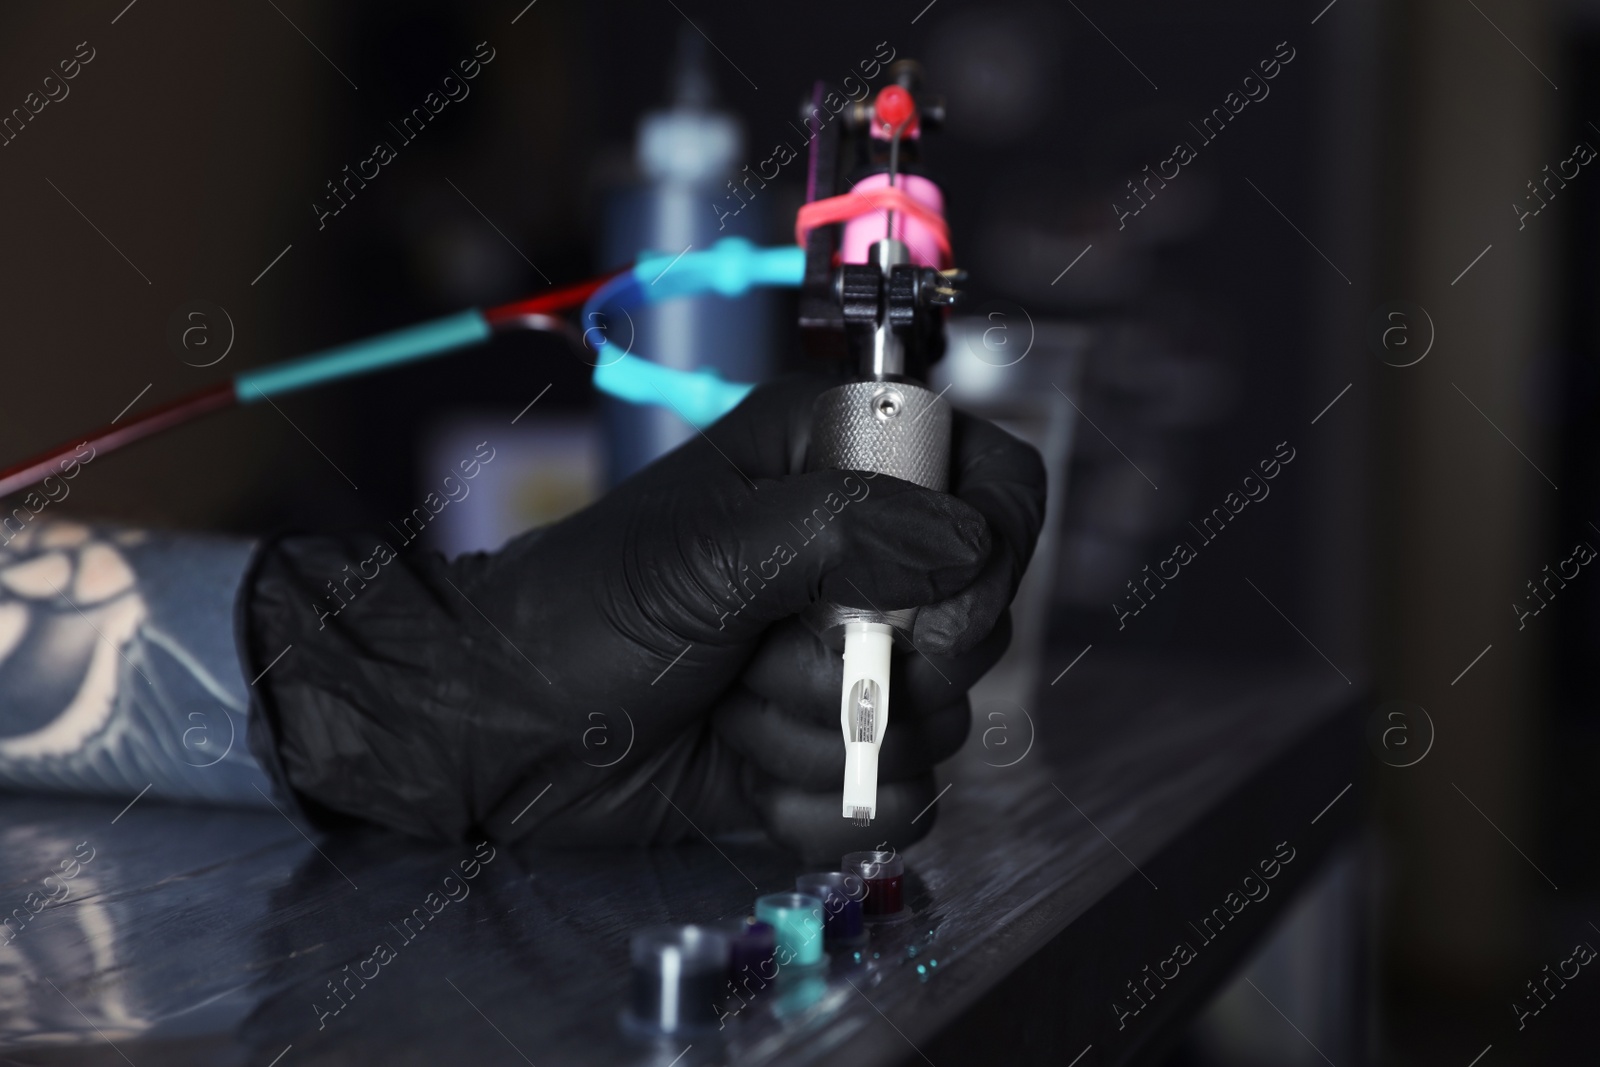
(1225, 317)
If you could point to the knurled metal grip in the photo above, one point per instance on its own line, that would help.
(895, 428)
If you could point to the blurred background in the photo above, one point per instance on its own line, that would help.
(1378, 260)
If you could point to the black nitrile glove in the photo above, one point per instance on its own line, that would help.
(635, 672)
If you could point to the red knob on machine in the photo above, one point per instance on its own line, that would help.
(895, 107)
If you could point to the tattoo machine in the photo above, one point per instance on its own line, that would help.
(878, 278)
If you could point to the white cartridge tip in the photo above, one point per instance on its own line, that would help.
(864, 715)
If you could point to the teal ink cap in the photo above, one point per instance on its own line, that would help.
(797, 919)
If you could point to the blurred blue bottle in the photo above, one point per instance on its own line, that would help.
(685, 156)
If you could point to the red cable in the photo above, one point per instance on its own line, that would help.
(111, 437)
(216, 397)
(569, 296)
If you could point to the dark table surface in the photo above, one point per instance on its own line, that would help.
(1138, 796)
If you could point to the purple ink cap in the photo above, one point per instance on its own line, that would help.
(841, 895)
(751, 947)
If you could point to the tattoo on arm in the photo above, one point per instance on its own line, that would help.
(117, 668)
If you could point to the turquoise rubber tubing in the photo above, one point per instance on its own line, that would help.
(729, 268)
(361, 357)
(700, 397)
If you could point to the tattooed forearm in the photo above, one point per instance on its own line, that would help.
(117, 667)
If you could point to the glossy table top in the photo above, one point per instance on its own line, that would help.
(170, 935)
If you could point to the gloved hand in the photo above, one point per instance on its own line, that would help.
(473, 695)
